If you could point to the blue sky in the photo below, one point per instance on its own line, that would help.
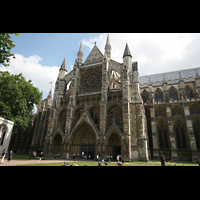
(51, 47)
(40, 55)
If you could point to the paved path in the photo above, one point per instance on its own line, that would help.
(26, 162)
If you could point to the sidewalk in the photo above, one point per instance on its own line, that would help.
(26, 162)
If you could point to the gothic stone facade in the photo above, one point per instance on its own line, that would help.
(103, 107)
(6, 127)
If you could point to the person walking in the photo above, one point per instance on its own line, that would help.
(3, 156)
(74, 156)
(163, 160)
(40, 157)
(34, 154)
(9, 157)
(97, 157)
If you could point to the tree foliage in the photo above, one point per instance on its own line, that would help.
(17, 99)
(6, 44)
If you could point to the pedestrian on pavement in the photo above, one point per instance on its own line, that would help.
(40, 157)
(34, 154)
(9, 157)
(74, 156)
(3, 156)
(163, 160)
(199, 162)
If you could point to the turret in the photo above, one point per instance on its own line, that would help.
(127, 58)
(62, 70)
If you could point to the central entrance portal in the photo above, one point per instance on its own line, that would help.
(57, 143)
(89, 150)
(84, 140)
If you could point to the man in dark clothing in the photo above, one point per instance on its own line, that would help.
(162, 161)
(9, 157)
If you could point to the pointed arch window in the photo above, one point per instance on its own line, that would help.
(91, 114)
(196, 128)
(2, 134)
(116, 117)
(173, 94)
(176, 111)
(194, 110)
(163, 136)
(160, 112)
(96, 121)
(95, 115)
(179, 129)
(189, 92)
(145, 96)
(62, 119)
(158, 96)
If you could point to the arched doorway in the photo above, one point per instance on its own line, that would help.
(57, 144)
(114, 146)
(84, 140)
(2, 134)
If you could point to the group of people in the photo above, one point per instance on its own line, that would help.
(163, 162)
(3, 155)
(40, 156)
(56, 155)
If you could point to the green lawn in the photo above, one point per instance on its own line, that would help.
(91, 163)
(150, 163)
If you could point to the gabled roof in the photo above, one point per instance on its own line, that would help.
(95, 56)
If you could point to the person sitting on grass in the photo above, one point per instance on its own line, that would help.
(119, 163)
(74, 165)
(99, 164)
(65, 164)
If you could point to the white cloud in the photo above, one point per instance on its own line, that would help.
(155, 52)
(40, 75)
(92, 40)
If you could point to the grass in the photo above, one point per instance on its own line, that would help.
(92, 163)
(150, 163)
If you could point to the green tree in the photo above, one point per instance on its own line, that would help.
(17, 99)
(6, 44)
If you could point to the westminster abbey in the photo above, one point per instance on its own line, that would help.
(104, 107)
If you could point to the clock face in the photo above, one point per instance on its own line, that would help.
(91, 80)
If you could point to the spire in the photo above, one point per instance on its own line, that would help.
(63, 70)
(127, 51)
(105, 56)
(49, 95)
(75, 64)
(197, 75)
(108, 47)
(180, 77)
(63, 66)
(80, 53)
(108, 40)
(164, 80)
(150, 83)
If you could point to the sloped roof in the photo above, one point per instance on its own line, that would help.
(95, 56)
(185, 74)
